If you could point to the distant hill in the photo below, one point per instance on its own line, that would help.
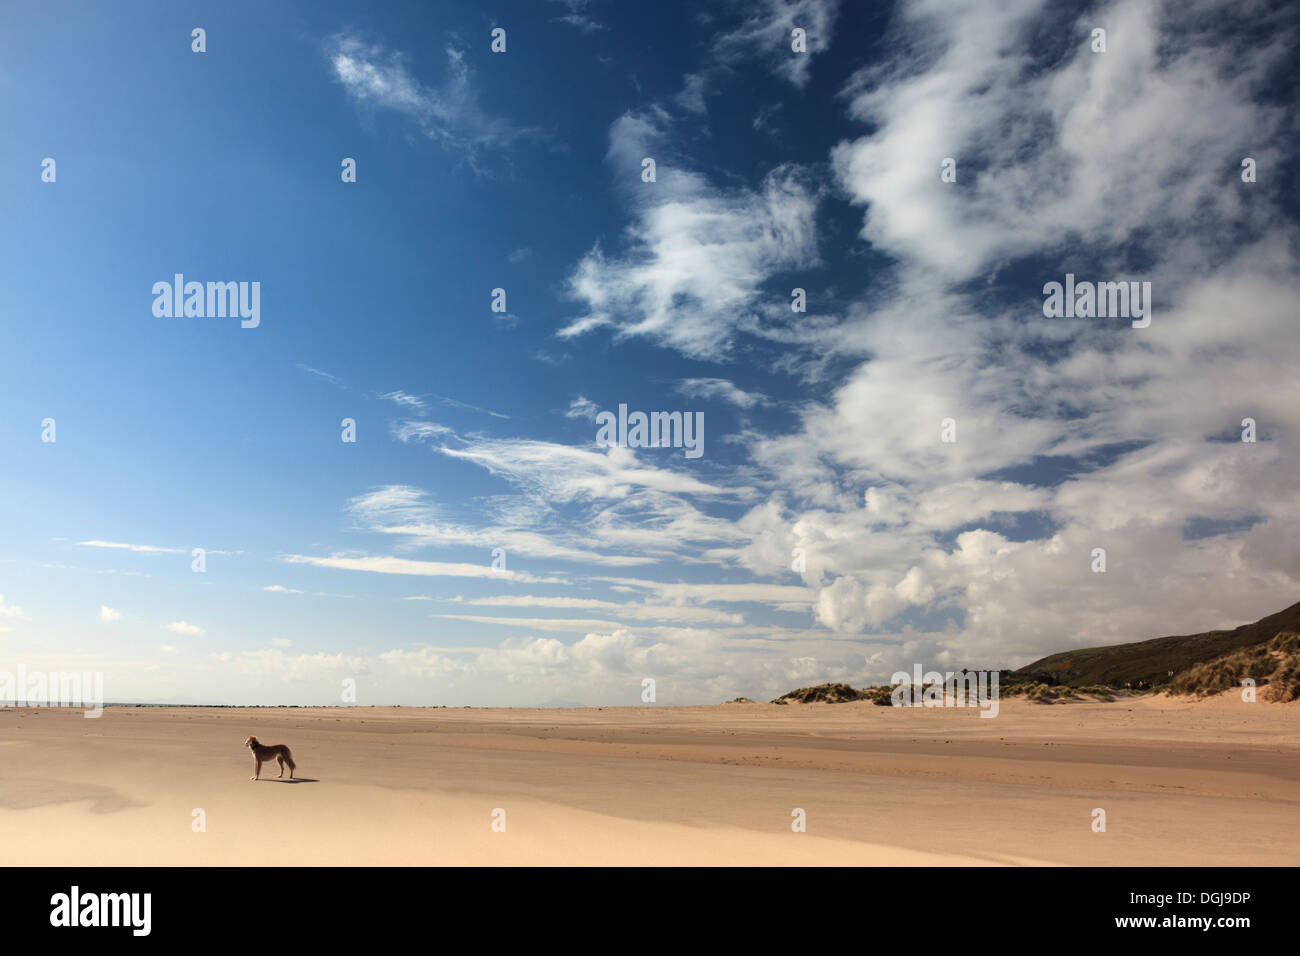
(1267, 651)
(1148, 663)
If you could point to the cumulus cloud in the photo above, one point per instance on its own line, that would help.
(1069, 435)
(1117, 165)
(1100, 148)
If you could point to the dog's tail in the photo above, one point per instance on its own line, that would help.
(288, 758)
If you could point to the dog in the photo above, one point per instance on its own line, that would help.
(263, 754)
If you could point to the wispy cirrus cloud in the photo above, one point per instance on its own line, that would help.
(722, 389)
(387, 564)
(420, 404)
(405, 400)
(582, 407)
(767, 33)
(120, 546)
(577, 16)
(454, 403)
(448, 113)
(697, 256)
(623, 610)
(708, 593)
(151, 549)
(323, 376)
(407, 513)
(565, 473)
(409, 431)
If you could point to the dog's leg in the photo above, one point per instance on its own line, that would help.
(281, 759)
(257, 770)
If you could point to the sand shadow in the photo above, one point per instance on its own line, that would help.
(288, 780)
(26, 793)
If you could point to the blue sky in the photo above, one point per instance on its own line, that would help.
(521, 170)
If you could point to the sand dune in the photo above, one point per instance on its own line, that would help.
(1211, 782)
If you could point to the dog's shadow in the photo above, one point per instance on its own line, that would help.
(290, 780)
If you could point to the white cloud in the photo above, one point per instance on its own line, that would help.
(625, 610)
(517, 527)
(185, 628)
(1074, 162)
(577, 16)
(966, 553)
(757, 592)
(326, 376)
(9, 610)
(698, 256)
(722, 389)
(564, 473)
(408, 431)
(582, 22)
(1089, 149)
(129, 547)
(693, 92)
(384, 564)
(767, 32)
(405, 399)
(448, 114)
(582, 407)
(109, 615)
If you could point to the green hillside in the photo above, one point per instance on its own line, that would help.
(1150, 662)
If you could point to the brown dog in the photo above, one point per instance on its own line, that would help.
(263, 754)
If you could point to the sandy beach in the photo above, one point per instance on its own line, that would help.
(1213, 782)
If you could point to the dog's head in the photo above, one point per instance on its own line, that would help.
(251, 742)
